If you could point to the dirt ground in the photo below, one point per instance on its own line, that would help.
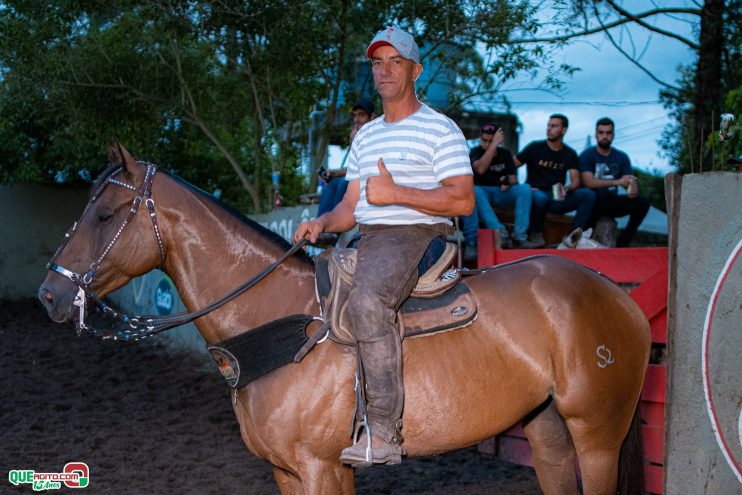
(153, 419)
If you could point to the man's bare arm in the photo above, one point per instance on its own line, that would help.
(589, 179)
(454, 197)
(574, 180)
(482, 164)
(340, 219)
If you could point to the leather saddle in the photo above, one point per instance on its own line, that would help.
(439, 302)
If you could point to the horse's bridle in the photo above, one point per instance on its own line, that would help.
(144, 193)
(138, 327)
(84, 280)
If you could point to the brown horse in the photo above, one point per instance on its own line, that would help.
(555, 345)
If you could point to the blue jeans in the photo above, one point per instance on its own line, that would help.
(581, 201)
(517, 197)
(332, 194)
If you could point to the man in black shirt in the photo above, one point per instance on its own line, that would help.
(547, 164)
(495, 184)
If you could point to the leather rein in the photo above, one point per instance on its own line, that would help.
(133, 328)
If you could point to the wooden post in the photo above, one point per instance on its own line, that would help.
(673, 187)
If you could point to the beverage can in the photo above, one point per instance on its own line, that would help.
(556, 192)
(633, 188)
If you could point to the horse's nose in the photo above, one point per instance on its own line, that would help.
(46, 298)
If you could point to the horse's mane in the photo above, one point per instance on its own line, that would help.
(274, 238)
(271, 236)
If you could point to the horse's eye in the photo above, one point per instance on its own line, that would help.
(104, 218)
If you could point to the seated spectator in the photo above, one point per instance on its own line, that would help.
(335, 183)
(495, 184)
(602, 169)
(547, 163)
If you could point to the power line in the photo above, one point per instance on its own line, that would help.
(624, 137)
(589, 103)
(624, 127)
(618, 103)
(639, 133)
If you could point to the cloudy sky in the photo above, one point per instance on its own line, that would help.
(610, 85)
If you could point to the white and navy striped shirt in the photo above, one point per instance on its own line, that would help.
(419, 151)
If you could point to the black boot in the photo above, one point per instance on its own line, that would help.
(382, 368)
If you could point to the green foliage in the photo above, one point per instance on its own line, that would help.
(221, 92)
(652, 185)
(679, 141)
(733, 105)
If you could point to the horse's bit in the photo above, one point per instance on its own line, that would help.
(83, 281)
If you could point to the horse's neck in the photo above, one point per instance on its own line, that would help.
(210, 253)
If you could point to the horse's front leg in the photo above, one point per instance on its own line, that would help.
(288, 483)
(316, 478)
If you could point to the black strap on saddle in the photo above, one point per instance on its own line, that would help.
(254, 353)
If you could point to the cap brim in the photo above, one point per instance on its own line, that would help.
(373, 46)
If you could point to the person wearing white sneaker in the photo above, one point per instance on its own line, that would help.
(495, 184)
(548, 165)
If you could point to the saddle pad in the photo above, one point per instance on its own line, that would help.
(253, 353)
(453, 309)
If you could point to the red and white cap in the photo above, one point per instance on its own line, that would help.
(401, 40)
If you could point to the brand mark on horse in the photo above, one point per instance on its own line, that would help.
(605, 356)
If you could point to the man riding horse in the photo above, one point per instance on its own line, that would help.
(408, 172)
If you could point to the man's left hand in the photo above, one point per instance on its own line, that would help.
(380, 188)
(498, 138)
(625, 180)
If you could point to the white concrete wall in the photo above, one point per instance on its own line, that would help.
(703, 437)
(33, 221)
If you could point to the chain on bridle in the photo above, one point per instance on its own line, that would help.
(132, 328)
(84, 280)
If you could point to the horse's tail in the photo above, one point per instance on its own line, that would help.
(631, 460)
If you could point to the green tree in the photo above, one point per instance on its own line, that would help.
(704, 90)
(222, 90)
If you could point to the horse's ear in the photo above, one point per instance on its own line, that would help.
(118, 156)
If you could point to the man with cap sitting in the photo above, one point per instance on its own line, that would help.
(495, 184)
(335, 183)
(408, 172)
